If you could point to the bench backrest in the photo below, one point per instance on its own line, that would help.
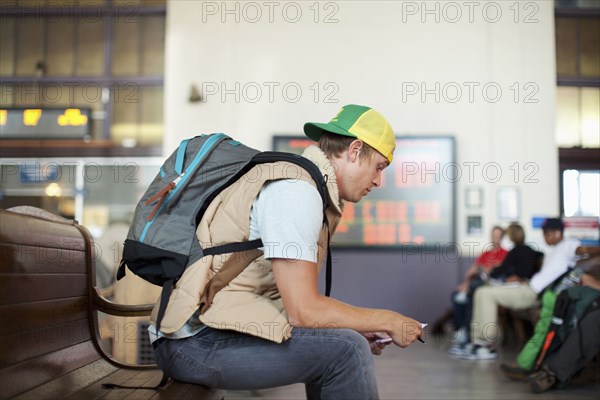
(45, 279)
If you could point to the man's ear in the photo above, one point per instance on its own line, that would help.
(354, 150)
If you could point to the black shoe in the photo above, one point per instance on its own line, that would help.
(514, 372)
(542, 380)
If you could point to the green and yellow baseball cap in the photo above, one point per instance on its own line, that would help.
(360, 122)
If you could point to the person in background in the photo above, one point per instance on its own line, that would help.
(521, 261)
(518, 266)
(562, 255)
(462, 296)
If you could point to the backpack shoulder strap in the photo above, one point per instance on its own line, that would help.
(321, 185)
(304, 163)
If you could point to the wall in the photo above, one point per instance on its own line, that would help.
(430, 67)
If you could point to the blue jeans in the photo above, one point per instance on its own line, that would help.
(462, 312)
(332, 363)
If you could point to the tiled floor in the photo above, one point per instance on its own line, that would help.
(425, 371)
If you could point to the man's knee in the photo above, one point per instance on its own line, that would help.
(352, 337)
(483, 292)
(335, 342)
(349, 372)
(342, 341)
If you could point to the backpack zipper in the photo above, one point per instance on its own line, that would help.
(161, 195)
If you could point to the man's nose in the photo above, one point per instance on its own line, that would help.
(377, 180)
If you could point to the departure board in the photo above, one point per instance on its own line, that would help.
(413, 206)
(44, 123)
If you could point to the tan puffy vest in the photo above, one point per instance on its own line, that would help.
(251, 302)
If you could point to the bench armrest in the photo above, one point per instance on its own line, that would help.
(101, 303)
(104, 305)
(586, 263)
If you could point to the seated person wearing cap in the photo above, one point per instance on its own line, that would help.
(270, 326)
(562, 255)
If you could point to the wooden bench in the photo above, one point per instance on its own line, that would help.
(49, 338)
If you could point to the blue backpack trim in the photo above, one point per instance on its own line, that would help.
(181, 156)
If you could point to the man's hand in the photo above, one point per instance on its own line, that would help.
(376, 348)
(406, 332)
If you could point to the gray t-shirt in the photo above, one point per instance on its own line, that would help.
(287, 215)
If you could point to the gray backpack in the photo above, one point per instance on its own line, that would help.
(161, 242)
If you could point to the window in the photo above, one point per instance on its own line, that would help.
(578, 106)
(579, 181)
(581, 193)
(578, 116)
(578, 73)
(107, 189)
(104, 55)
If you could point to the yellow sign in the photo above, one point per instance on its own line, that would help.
(31, 116)
(72, 117)
(3, 116)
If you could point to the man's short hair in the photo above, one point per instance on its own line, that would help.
(553, 224)
(334, 145)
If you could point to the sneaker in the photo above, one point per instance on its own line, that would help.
(478, 352)
(514, 372)
(542, 380)
(460, 349)
(462, 336)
